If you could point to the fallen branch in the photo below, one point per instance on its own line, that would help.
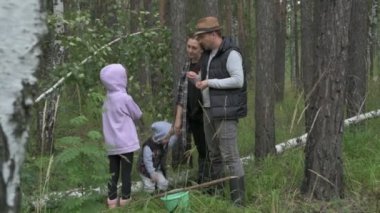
(301, 140)
(202, 185)
(60, 81)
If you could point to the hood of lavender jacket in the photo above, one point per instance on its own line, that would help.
(119, 112)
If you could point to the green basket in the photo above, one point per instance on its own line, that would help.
(178, 202)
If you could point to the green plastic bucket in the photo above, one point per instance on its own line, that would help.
(178, 202)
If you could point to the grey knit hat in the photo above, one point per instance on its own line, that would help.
(160, 130)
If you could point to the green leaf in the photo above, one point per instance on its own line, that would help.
(94, 135)
(68, 155)
(69, 141)
(78, 121)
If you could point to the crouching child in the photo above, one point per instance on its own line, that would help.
(151, 162)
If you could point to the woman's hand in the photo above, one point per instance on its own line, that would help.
(177, 126)
(202, 84)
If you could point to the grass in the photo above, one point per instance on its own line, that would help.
(272, 185)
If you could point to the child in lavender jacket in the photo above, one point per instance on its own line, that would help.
(119, 130)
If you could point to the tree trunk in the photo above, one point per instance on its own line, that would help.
(164, 11)
(228, 17)
(149, 17)
(242, 35)
(178, 47)
(297, 72)
(264, 98)
(53, 55)
(357, 72)
(211, 8)
(134, 15)
(19, 52)
(279, 67)
(308, 30)
(373, 36)
(323, 178)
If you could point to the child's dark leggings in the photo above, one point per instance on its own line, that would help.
(125, 162)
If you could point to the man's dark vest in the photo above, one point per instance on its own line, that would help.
(224, 103)
(158, 157)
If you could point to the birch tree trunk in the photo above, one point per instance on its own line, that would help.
(323, 178)
(21, 24)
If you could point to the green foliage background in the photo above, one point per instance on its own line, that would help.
(79, 161)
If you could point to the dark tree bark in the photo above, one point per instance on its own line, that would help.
(323, 178)
(52, 56)
(211, 8)
(357, 72)
(279, 67)
(149, 18)
(250, 58)
(178, 47)
(228, 17)
(19, 51)
(297, 72)
(134, 15)
(264, 97)
(373, 36)
(308, 35)
(102, 10)
(164, 11)
(242, 35)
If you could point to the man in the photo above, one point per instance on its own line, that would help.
(189, 115)
(223, 86)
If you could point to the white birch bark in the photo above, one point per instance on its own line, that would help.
(301, 140)
(21, 25)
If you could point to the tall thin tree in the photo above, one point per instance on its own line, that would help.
(178, 47)
(323, 152)
(53, 56)
(279, 67)
(297, 71)
(164, 11)
(211, 8)
(373, 19)
(264, 97)
(308, 31)
(357, 72)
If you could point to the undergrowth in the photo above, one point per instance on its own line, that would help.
(272, 185)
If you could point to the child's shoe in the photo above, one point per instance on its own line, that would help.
(124, 202)
(112, 203)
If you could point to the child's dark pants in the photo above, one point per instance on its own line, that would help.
(125, 162)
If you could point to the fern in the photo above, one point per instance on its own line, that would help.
(79, 121)
(68, 155)
(94, 135)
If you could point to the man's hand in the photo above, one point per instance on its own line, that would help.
(202, 84)
(154, 177)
